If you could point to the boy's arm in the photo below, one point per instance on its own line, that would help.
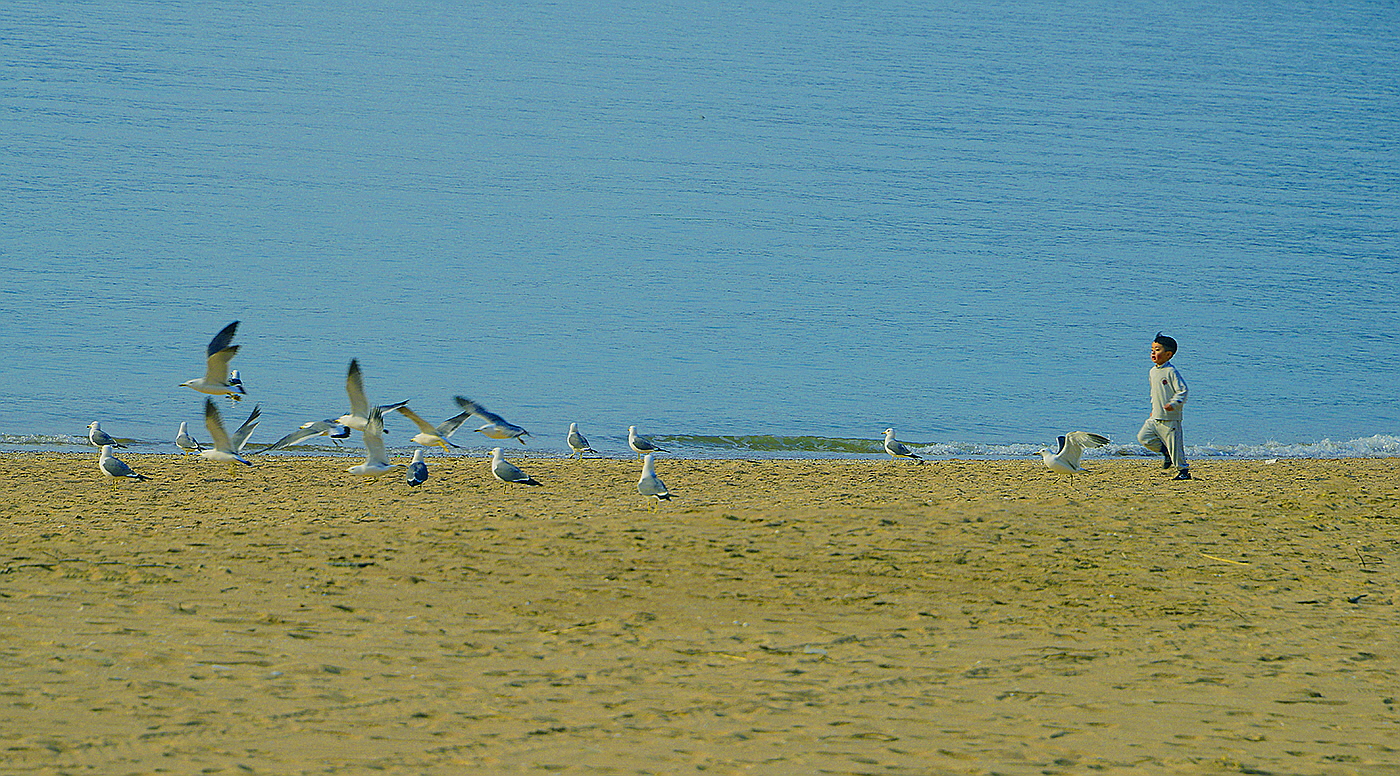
(1178, 385)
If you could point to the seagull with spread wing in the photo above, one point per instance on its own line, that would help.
(216, 380)
(496, 426)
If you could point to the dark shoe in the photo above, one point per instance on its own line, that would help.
(1166, 460)
(1184, 474)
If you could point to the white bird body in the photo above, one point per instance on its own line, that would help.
(417, 469)
(112, 467)
(227, 448)
(185, 442)
(505, 471)
(650, 484)
(1068, 450)
(376, 457)
(642, 445)
(577, 442)
(216, 380)
(496, 426)
(435, 436)
(896, 448)
(99, 437)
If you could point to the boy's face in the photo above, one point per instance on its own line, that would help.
(1160, 355)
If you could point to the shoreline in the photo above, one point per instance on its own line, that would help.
(778, 616)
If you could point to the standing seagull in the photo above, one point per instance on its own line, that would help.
(99, 437)
(417, 471)
(227, 448)
(216, 376)
(112, 467)
(642, 445)
(650, 484)
(896, 448)
(185, 442)
(1068, 449)
(577, 442)
(506, 471)
(496, 426)
(429, 435)
(359, 403)
(376, 459)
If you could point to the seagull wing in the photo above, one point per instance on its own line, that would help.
(215, 424)
(1087, 439)
(216, 367)
(446, 428)
(306, 431)
(374, 439)
(223, 339)
(422, 425)
(476, 409)
(240, 437)
(355, 389)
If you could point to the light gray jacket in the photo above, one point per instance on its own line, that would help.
(1168, 387)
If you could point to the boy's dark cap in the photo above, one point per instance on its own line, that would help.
(1166, 342)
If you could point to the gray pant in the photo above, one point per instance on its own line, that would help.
(1164, 435)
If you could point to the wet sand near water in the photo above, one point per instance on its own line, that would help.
(846, 617)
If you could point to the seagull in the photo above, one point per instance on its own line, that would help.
(417, 471)
(227, 448)
(650, 484)
(99, 437)
(1068, 448)
(496, 426)
(359, 404)
(112, 467)
(577, 442)
(641, 444)
(429, 435)
(185, 442)
(896, 448)
(216, 380)
(506, 471)
(376, 460)
(235, 381)
(327, 427)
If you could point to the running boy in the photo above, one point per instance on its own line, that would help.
(1162, 431)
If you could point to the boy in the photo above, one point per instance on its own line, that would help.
(1162, 431)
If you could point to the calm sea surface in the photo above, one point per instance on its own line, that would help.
(751, 226)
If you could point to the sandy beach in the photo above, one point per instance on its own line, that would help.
(804, 617)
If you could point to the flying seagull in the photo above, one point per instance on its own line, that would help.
(185, 442)
(216, 380)
(327, 427)
(506, 471)
(496, 426)
(99, 437)
(112, 467)
(578, 442)
(429, 435)
(896, 448)
(650, 484)
(359, 403)
(417, 470)
(227, 447)
(642, 445)
(376, 459)
(1068, 449)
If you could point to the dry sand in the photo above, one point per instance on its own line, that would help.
(803, 617)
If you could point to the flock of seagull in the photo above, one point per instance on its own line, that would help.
(225, 447)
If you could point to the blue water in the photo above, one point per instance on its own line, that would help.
(758, 220)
